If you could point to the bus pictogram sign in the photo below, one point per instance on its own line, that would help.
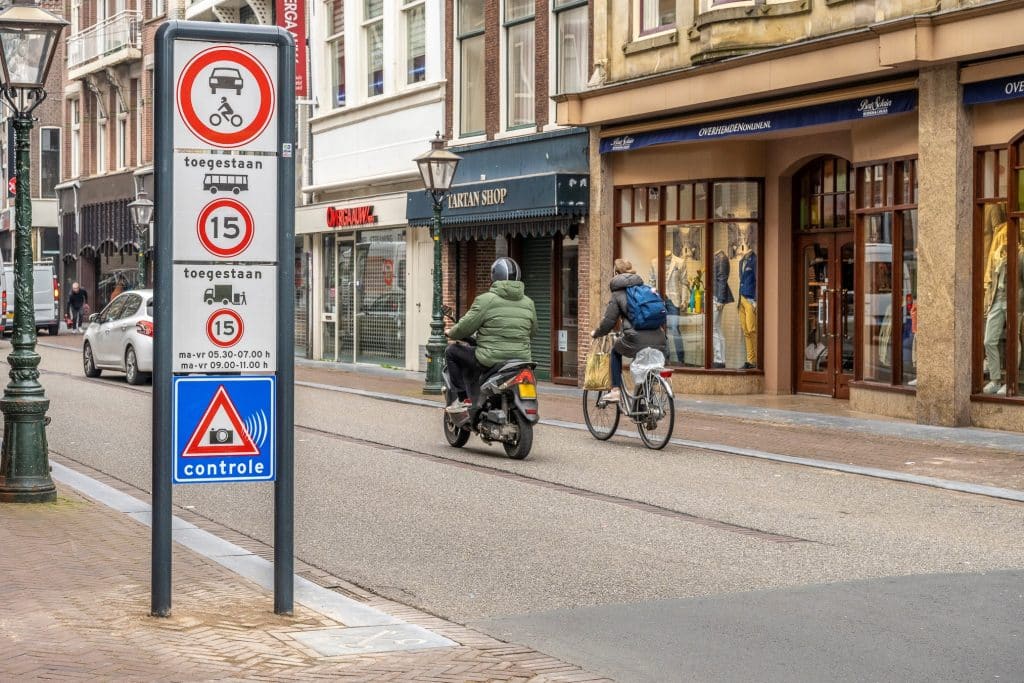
(225, 227)
(224, 328)
(225, 96)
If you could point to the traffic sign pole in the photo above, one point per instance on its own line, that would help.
(225, 122)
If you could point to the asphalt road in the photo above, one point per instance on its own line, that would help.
(646, 566)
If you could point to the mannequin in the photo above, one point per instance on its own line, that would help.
(675, 298)
(995, 307)
(747, 303)
(722, 295)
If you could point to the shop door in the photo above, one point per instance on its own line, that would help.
(566, 313)
(824, 347)
(345, 262)
(537, 279)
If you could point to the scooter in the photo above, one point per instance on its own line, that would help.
(504, 408)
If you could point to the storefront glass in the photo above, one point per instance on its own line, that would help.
(301, 298)
(380, 296)
(708, 271)
(887, 216)
(998, 321)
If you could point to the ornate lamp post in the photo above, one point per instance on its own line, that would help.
(142, 214)
(28, 38)
(438, 169)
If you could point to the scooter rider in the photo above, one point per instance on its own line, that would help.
(503, 319)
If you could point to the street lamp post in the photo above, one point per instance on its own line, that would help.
(28, 39)
(438, 169)
(142, 214)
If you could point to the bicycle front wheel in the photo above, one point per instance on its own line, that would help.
(656, 428)
(602, 416)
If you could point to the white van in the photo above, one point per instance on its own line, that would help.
(46, 295)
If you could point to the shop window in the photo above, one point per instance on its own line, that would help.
(373, 30)
(573, 47)
(657, 15)
(886, 216)
(471, 67)
(336, 52)
(999, 280)
(824, 195)
(520, 62)
(708, 236)
(414, 14)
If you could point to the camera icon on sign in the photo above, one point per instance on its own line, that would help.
(222, 436)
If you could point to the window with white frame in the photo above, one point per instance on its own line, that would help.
(122, 140)
(76, 17)
(572, 47)
(470, 31)
(373, 38)
(657, 15)
(520, 46)
(157, 7)
(414, 19)
(336, 51)
(136, 91)
(75, 117)
(101, 138)
(49, 161)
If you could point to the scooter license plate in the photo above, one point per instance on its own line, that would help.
(527, 391)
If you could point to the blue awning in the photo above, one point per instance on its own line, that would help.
(846, 110)
(995, 90)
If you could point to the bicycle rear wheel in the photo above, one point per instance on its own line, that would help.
(656, 428)
(602, 417)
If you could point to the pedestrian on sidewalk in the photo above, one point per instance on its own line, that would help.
(78, 301)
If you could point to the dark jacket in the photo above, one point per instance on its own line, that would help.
(631, 340)
(503, 319)
(748, 276)
(720, 291)
(77, 299)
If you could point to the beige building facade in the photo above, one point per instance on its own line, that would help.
(827, 194)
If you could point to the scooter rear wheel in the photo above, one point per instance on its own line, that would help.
(524, 442)
(456, 436)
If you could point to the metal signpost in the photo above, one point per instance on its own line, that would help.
(223, 381)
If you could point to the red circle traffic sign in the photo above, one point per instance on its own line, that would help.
(200, 128)
(224, 328)
(225, 227)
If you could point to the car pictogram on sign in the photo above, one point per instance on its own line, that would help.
(226, 78)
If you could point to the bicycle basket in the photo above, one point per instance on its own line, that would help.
(645, 362)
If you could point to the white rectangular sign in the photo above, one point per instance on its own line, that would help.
(225, 96)
(225, 207)
(225, 318)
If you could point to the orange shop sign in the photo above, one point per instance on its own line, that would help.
(357, 215)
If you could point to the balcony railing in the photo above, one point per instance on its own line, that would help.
(119, 32)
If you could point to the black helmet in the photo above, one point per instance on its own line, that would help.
(505, 269)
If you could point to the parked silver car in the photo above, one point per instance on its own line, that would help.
(120, 337)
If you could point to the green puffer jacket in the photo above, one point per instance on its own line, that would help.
(503, 319)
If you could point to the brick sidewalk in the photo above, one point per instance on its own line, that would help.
(74, 604)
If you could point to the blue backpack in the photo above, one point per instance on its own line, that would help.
(646, 309)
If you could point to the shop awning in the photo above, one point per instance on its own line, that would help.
(995, 90)
(788, 119)
(528, 206)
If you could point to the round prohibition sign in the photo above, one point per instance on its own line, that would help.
(202, 128)
(224, 328)
(225, 227)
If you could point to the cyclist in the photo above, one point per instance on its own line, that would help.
(631, 340)
(503, 319)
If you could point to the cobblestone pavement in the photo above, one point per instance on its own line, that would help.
(74, 605)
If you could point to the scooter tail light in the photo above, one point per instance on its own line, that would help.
(525, 377)
(666, 373)
(144, 327)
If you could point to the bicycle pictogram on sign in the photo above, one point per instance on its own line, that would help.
(225, 120)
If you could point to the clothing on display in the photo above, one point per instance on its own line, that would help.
(748, 302)
(721, 294)
(677, 296)
(996, 273)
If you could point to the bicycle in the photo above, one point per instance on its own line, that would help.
(651, 407)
